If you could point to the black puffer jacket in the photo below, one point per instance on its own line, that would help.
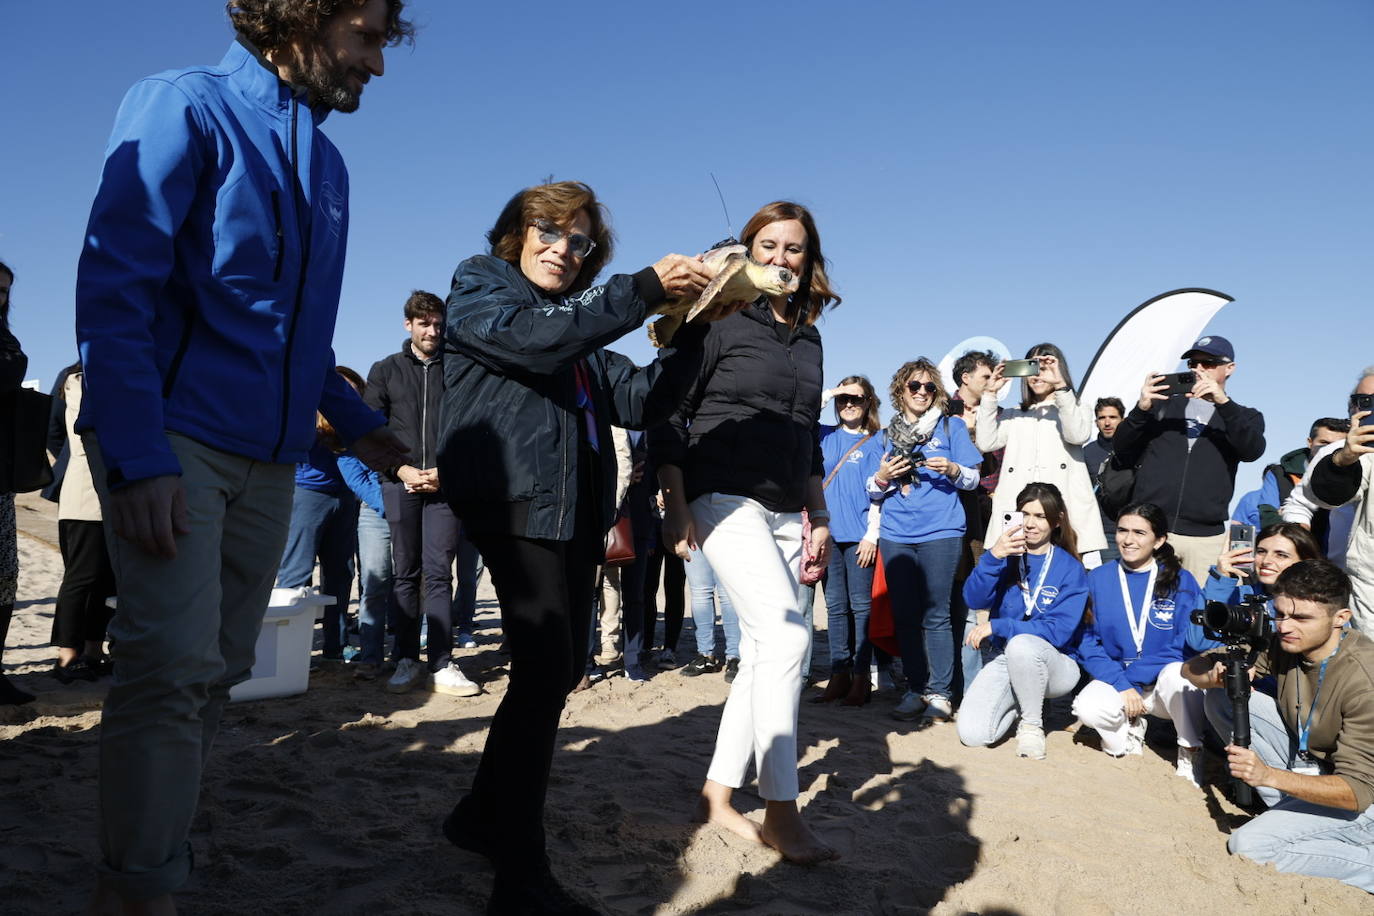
(409, 392)
(749, 426)
(509, 427)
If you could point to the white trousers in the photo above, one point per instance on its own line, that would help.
(755, 555)
(1099, 705)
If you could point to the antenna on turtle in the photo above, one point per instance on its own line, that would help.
(728, 227)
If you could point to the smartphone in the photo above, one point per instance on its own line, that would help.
(1241, 536)
(917, 457)
(1020, 368)
(1179, 383)
(1013, 520)
(1359, 402)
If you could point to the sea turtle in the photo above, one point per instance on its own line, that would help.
(739, 280)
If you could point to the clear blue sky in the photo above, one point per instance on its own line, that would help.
(1026, 170)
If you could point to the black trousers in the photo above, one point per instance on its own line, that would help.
(674, 574)
(546, 590)
(424, 539)
(87, 580)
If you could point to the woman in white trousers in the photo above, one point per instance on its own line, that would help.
(737, 464)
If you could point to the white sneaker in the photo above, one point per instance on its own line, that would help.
(910, 707)
(465, 641)
(1190, 764)
(1030, 741)
(1135, 738)
(408, 674)
(938, 707)
(453, 682)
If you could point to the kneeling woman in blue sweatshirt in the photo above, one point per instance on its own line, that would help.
(1133, 645)
(1037, 591)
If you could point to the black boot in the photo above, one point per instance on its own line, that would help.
(10, 695)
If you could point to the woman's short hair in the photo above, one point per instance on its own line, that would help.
(872, 422)
(904, 374)
(813, 293)
(272, 24)
(1303, 541)
(1056, 513)
(557, 202)
(1044, 349)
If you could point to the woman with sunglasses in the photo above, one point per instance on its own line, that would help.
(738, 463)
(928, 458)
(850, 453)
(1133, 646)
(1044, 439)
(526, 460)
(1037, 592)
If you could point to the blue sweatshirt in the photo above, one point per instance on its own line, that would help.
(209, 282)
(1058, 611)
(846, 497)
(1106, 649)
(931, 509)
(323, 471)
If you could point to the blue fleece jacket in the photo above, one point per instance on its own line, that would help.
(326, 472)
(994, 585)
(847, 496)
(208, 285)
(1106, 648)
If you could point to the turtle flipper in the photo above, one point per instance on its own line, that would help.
(661, 331)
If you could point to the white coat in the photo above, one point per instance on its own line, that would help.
(1043, 445)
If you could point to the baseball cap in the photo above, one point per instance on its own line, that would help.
(1215, 346)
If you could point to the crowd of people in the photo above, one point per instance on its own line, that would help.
(209, 449)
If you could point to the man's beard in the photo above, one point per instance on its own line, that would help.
(325, 84)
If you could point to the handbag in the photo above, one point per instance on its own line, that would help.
(620, 543)
(882, 629)
(810, 574)
(24, 459)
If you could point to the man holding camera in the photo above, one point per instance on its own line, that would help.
(1312, 754)
(1186, 446)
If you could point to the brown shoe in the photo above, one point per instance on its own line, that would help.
(837, 688)
(859, 692)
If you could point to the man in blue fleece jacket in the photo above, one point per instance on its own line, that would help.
(206, 297)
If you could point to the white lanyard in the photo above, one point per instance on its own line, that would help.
(1032, 598)
(1137, 621)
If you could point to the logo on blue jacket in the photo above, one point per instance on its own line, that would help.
(333, 206)
(1048, 594)
(1162, 614)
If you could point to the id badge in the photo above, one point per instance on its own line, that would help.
(1306, 766)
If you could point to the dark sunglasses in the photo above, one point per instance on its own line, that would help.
(579, 245)
(1206, 363)
(916, 387)
(850, 400)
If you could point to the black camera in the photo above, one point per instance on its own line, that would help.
(1236, 624)
(917, 458)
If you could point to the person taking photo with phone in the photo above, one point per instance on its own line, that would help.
(1186, 449)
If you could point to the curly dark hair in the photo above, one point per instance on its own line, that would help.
(273, 24)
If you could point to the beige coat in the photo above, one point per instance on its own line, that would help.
(78, 500)
(1043, 445)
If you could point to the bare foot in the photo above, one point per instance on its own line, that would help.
(714, 808)
(784, 830)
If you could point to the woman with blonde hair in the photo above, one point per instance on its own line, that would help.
(928, 458)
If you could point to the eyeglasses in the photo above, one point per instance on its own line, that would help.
(579, 245)
(918, 387)
(850, 400)
(1206, 363)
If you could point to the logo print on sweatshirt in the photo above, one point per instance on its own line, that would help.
(333, 206)
(1048, 594)
(1162, 614)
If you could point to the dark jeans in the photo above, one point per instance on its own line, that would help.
(424, 538)
(669, 564)
(848, 599)
(632, 605)
(920, 579)
(545, 589)
(323, 526)
(87, 580)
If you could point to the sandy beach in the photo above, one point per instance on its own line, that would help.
(330, 802)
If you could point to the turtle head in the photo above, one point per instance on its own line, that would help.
(772, 280)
